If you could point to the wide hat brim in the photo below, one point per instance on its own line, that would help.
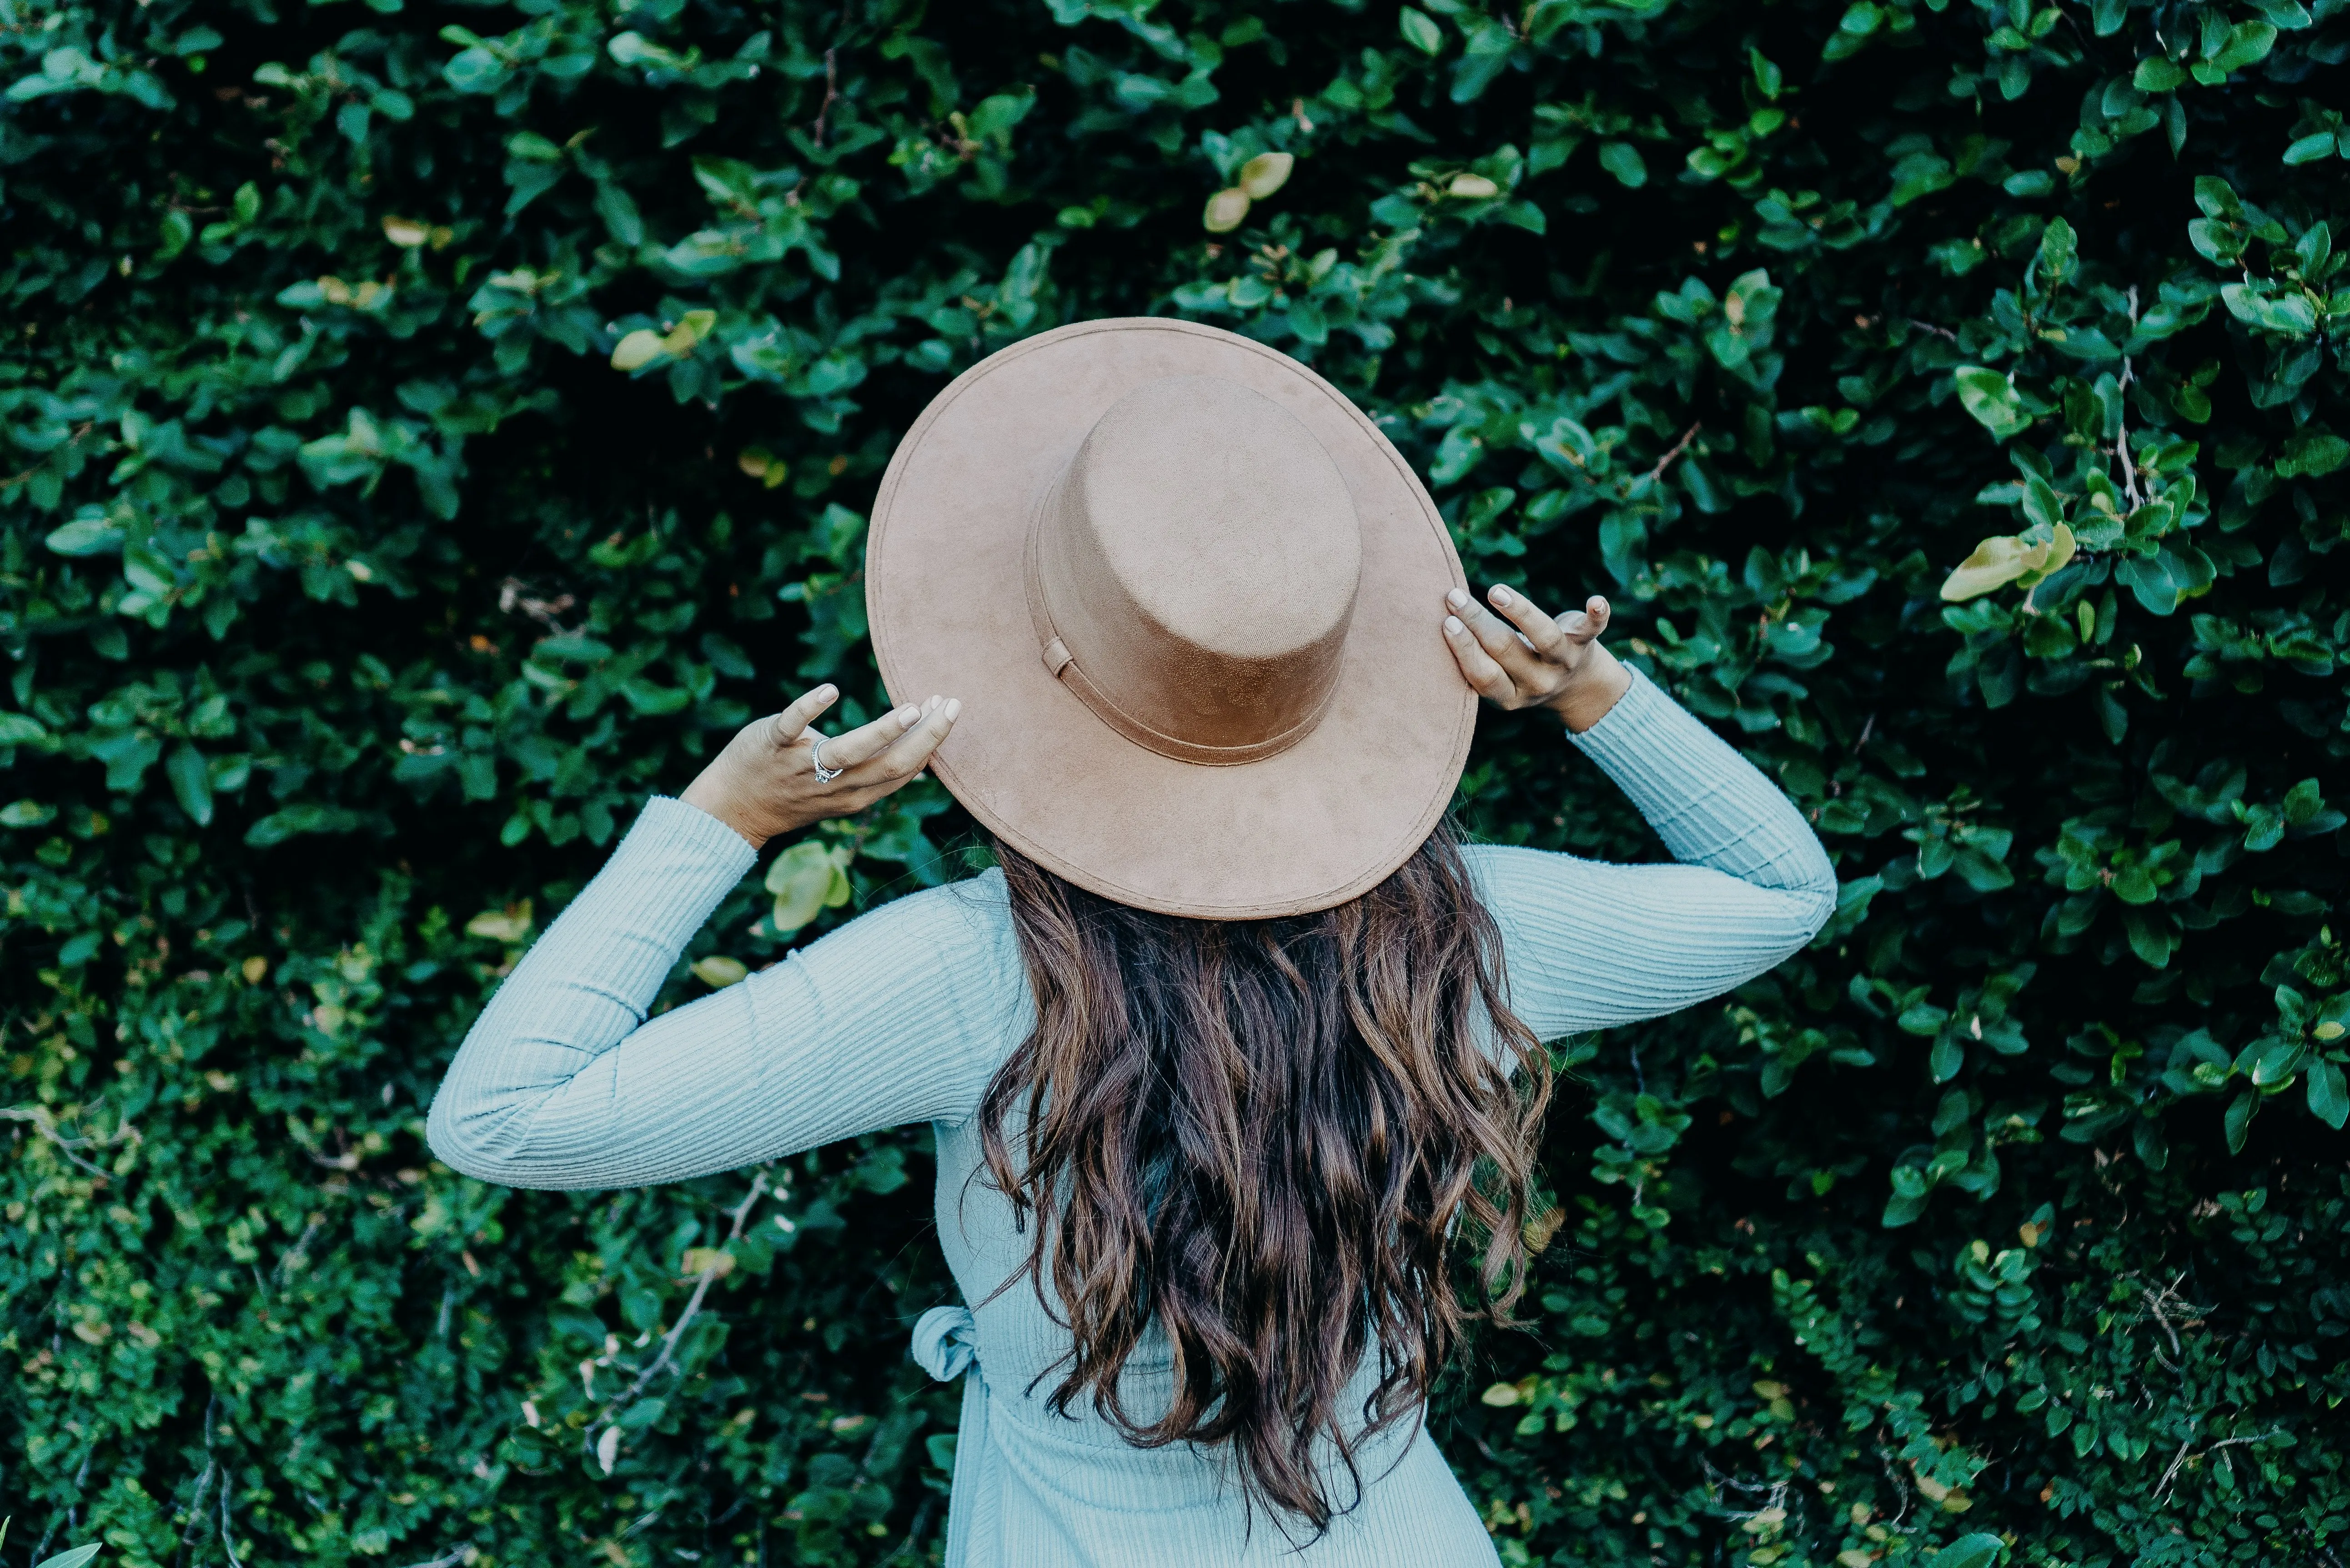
(945, 593)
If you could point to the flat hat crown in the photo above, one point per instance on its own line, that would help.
(1193, 571)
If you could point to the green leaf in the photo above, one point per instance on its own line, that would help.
(73, 1559)
(475, 70)
(2009, 559)
(1623, 160)
(1978, 1550)
(85, 536)
(637, 349)
(805, 879)
(1911, 1191)
(2059, 256)
(510, 925)
(1266, 172)
(2329, 1094)
(718, 972)
(191, 782)
(2246, 43)
(1945, 1060)
(2310, 149)
(1986, 395)
(618, 212)
(295, 820)
(1482, 59)
(2266, 307)
(2237, 1121)
(1421, 31)
(2313, 454)
(2153, 936)
(1225, 211)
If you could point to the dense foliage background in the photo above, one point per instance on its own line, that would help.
(355, 594)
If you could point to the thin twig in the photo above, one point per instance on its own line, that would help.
(227, 1545)
(513, 595)
(1665, 462)
(300, 1250)
(921, 1523)
(45, 1123)
(1900, 1487)
(1937, 331)
(740, 1215)
(2121, 418)
(454, 1555)
(73, 440)
(2163, 1486)
(831, 93)
(203, 1494)
(2156, 1300)
(2177, 1459)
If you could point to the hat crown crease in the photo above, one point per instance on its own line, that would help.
(1193, 571)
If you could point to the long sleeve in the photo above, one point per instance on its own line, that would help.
(1590, 944)
(900, 1016)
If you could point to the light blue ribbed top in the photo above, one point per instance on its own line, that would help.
(904, 1015)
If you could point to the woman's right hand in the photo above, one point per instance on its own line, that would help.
(764, 782)
(1532, 660)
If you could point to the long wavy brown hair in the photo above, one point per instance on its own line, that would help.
(1300, 1145)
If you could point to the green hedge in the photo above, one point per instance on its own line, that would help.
(426, 429)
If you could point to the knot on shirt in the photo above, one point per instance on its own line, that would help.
(946, 1342)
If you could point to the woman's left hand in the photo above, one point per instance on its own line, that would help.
(766, 782)
(1532, 660)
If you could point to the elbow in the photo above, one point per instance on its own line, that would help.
(1819, 906)
(444, 1134)
(457, 1139)
(1817, 886)
(1823, 910)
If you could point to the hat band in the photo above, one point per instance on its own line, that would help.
(1067, 670)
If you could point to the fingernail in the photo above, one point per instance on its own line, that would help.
(954, 709)
(908, 715)
(1458, 599)
(1500, 595)
(1453, 624)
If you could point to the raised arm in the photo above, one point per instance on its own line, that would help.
(1590, 944)
(564, 1082)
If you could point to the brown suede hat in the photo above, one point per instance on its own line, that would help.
(1191, 599)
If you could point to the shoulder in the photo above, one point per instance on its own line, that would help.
(1543, 900)
(944, 961)
(968, 919)
(1504, 874)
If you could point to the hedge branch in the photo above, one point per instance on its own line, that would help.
(43, 1122)
(2121, 426)
(454, 1555)
(2179, 1460)
(740, 1215)
(1665, 462)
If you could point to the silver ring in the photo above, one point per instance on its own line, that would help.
(815, 754)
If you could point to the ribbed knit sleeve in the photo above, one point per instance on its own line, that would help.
(1591, 944)
(898, 1017)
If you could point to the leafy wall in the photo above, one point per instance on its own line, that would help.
(426, 429)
